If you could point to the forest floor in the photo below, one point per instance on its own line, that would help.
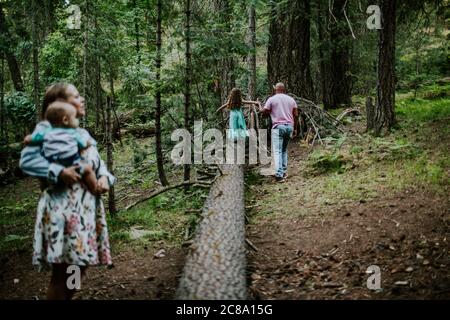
(355, 202)
(358, 202)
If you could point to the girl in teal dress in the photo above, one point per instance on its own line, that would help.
(238, 128)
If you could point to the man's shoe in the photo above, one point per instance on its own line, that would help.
(280, 179)
(285, 175)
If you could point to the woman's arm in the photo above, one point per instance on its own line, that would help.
(34, 164)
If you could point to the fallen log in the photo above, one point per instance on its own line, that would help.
(348, 112)
(215, 265)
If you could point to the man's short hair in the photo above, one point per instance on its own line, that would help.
(279, 85)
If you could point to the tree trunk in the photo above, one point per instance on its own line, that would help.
(288, 57)
(97, 83)
(136, 30)
(35, 40)
(159, 154)
(2, 102)
(13, 65)
(48, 15)
(384, 111)
(252, 55)
(85, 58)
(337, 89)
(226, 64)
(98, 96)
(215, 265)
(322, 68)
(109, 148)
(188, 80)
(370, 113)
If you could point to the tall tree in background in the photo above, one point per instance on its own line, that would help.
(85, 57)
(188, 77)
(97, 75)
(336, 81)
(2, 100)
(226, 63)
(6, 47)
(137, 33)
(251, 59)
(321, 22)
(35, 50)
(159, 155)
(109, 145)
(288, 57)
(384, 115)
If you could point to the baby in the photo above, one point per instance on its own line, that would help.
(61, 142)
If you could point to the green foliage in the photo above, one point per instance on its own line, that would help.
(422, 49)
(400, 148)
(324, 161)
(429, 172)
(139, 154)
(162, 216)
(419, 110)
(135, 83)
(58, 59)
(20, 108)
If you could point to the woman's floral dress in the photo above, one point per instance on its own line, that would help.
(71, 225)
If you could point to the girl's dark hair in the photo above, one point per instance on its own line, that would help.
(235, 98)
(55, 92)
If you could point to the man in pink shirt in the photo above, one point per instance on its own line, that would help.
(284, 114)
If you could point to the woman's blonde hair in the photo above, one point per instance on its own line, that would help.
(234, 99)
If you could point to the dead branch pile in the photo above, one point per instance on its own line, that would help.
(316, 123)
(319, 122)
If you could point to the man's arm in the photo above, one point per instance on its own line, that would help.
(267, 109)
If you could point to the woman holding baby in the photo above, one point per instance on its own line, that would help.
(70, 224)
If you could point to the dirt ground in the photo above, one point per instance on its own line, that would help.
(136, 274)
(326, 257)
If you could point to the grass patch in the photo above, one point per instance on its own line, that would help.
(324, 161)
(420, 110)
(18, 205)
(163, 215)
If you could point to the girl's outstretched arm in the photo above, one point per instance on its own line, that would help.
(250, 102)
(224, 106)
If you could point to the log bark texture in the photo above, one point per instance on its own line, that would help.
(215, 266)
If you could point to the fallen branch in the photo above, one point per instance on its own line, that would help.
(193, 211)
(347, 112)
(203, 184)
(251, 245)
(348, 21)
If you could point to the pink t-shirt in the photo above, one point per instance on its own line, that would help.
(281, 106)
